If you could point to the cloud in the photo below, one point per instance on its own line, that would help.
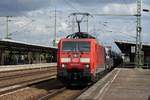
(119, 8)
(99, 2)
(21, 23)
(18, 7)
(63, 26)
(146, 1)
(41, 31)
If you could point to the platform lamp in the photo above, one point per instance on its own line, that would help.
(8, 35)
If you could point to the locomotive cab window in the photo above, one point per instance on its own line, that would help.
(68, 46)
(81, 46)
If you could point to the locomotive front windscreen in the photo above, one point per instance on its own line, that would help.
(81, 46)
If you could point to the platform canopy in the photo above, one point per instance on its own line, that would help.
(8, 44)
(128, 48)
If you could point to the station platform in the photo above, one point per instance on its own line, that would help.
(120, 84)
(25, 66)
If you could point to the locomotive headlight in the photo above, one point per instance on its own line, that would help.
(63, 65)
(85, 60)
(65, 60)
(87, 65)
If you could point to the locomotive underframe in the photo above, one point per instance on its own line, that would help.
(74, 75)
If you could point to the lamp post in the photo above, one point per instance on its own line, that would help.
(138, 59)
(139, 53)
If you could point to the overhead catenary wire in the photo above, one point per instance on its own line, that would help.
(71, 6)
(23, 27)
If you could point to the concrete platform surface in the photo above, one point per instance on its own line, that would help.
(121, 84)
(25, 66)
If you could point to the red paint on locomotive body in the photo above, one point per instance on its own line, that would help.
(79, 59)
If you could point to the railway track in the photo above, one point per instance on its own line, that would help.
(23, 71)
(67, 93)
(22, 75)
(52, 93)
(24, 84)
(64, 93)
(46, 90)
(21, 79)
(39, 87)
(33, 91)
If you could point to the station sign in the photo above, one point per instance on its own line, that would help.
(132, 49)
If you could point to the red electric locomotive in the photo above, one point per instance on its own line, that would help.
(80, 59)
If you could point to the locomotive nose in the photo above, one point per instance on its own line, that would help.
(75, 57)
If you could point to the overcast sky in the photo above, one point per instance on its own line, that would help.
(33, 20)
